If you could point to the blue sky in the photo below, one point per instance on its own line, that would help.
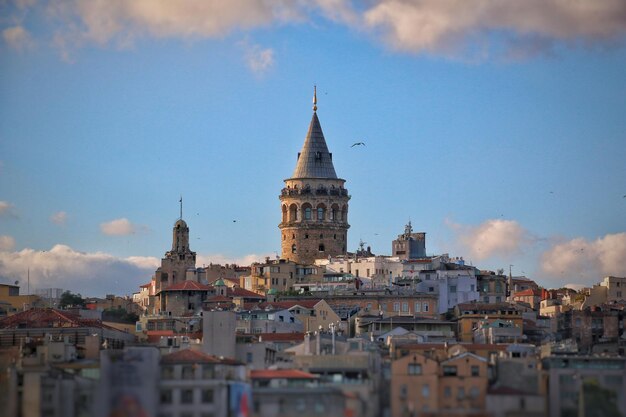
(500, 133)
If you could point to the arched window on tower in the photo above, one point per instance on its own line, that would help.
(321, 248)
(284, 213)
(293, 248)
(320, 214)
(307, 213)
(293, 213)
(334, 211)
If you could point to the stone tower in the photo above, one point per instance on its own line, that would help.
(178, 261)
(314, 203)
(409, 245)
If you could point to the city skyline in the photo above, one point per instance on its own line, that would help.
(504, 142)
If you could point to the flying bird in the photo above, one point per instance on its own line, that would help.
(234, 221)
(358, 144)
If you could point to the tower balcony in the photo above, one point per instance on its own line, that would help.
(323, 191)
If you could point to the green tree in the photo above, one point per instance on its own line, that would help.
(69, 299)
(599, 401)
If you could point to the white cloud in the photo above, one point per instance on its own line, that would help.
(103, 20)
(7, 209)
(7, 243)
(587, 260)
(245, 260)
(59, 217)
(259, 59)
(448, 26)
(492, 238)
(17, 38)
(94, 274)
(119, 227)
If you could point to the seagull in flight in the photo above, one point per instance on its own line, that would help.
(358, 144)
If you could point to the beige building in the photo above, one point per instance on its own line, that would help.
(428, 386)
(11, 301)
(280, 275)
(314, 203)
(615, 289)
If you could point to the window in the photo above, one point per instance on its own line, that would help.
(449, 370)
(188, 372)
(447, 392)
(403, 391)
(418, 307)
(475, 392)
(396, 307)
(461, 393)
(166, 396)
(405, 307)
(475, 370)
(249, 357)
(321, 248)
(307, 213)
(472, 287)
(207, 396)
(452, 288)
(293, 248)
(415, 369)
(425, 391)
(186, 396)
(167, 372)
(320, 214)
(208, 371)
(425, 307)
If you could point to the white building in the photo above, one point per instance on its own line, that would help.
(452, 286)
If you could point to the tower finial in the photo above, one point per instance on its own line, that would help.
(314, 98)
(181, 207)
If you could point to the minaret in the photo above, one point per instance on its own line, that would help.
(314, 202)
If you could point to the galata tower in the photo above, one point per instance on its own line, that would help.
(314, 203)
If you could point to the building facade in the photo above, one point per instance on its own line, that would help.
(314, 203)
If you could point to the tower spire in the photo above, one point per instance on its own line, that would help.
(181, 207)
(314, 98)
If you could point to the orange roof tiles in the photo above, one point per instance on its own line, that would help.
(187, 286)
(280, 374)
(48, 317)
(196, 356)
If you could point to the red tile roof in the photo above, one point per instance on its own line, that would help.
(528, 292)
(188, 286)
(281, 374)
(196, 356)
(218, 299)
(145, 285)
(48, 317)
(241, 292)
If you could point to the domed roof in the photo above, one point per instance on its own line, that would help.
(219, 283)
(180, 223)
(272, 291)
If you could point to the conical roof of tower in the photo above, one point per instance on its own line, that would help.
(314, 161)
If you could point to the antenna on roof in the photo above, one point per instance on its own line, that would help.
(181, 207)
